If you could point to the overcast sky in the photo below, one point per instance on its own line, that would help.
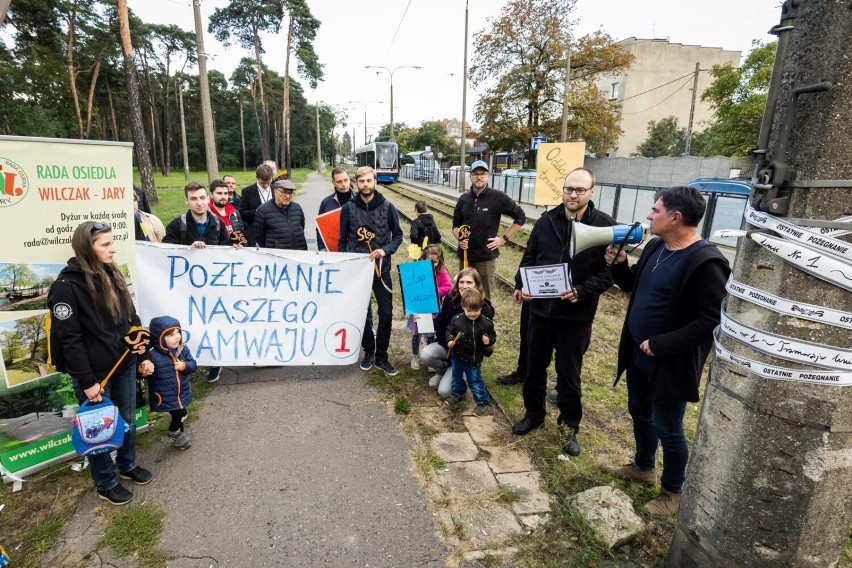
(430, 34)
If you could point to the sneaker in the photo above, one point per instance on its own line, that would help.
(632, 472)
(385, 366)
(512, 378)
(179, 439)
(139, 475)
(118, 495)
(415, 363)
(213, 374)
(435, 380)
(454, 399)
(367, 361)
(481, 410)
(664, 504)
(572, 446)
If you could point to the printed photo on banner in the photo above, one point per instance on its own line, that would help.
(259, 307)
(545, 281)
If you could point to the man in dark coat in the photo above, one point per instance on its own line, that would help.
(340, 197)
(677, 288)
(562, 325)
(254, 196)
(280, 223)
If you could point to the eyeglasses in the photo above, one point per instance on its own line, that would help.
(479, 174)
(577, 190)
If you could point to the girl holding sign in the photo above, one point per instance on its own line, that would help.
(444, 284)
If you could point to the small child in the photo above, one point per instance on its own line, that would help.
(470, 338)
(444, 284)
(168, 384)
(424, 232)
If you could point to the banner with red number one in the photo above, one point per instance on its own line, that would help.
(258, 306)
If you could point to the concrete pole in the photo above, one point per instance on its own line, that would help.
(463, 148)
(206, 107)
(319, 147)
(688, 147)
(184, 149)
(768, 482)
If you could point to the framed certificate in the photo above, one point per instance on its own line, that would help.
(545, 281)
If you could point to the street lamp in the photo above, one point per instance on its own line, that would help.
(391, 72)
(365, 103)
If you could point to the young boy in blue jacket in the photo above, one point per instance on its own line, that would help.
(168, 386)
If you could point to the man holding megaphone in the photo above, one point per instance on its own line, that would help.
(563, 324)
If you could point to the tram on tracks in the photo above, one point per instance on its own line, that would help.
(383, 157)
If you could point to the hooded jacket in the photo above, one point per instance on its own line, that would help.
(482, 213)
(424, 226)
(693, 311)
(169, 388)
(183, 231)
(549, 242)
(83, 343)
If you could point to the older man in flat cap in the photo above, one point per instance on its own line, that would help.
(280, 223)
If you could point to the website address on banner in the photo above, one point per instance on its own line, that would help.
(44, 241)
(50, 444)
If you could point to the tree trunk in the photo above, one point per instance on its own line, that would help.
(167, 125)
(140, 143)
(95, 72)
(286, 115)
(256, 115)
(768, 481)
(242, 133)
(72, 72)
(115, 134)
(264, 132)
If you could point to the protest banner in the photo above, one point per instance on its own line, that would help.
(553, 162)
(328, 225)
(259, 306)
(47, 188)
(419, 290)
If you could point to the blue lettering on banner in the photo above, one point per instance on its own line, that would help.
(283, 344)
(274, 276)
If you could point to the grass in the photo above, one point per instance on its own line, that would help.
(401, 404)
(134, 531)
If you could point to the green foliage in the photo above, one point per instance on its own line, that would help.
(134, 532)
(401, 404)
(664, 139)
(519, 70)
(738, 97)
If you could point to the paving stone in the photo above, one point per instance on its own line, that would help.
(484, 430)
(470, 477)
(507, 552)
(486, 524)
(455, 447)
(609, 513)
(528, 486)
(506, 459)
(533, 522)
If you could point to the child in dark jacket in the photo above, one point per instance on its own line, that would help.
(470, 338)
(169, 389)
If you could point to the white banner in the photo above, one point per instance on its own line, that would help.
(807, 259)
(258, 307)
(789, 307)
(823, 243)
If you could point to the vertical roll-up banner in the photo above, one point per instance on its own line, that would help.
(47, 188)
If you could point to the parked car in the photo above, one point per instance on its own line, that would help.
(510, 172)
(526, 173)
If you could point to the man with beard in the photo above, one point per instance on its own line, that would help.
(378, 218)
(342, 194)
(224, 209)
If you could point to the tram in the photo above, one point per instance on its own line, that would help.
(382, 157)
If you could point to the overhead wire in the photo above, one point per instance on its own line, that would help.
(398, 26)
(685, 83)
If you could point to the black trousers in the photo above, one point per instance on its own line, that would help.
(523, 350)
(569, 339)
(379, 342)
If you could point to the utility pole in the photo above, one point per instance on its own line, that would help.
(768, 482)
(319, 148)
(206, 107)
(564, 134)
(688, 147)
(463, 148)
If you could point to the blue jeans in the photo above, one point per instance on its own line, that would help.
(474, 381)
(656, 423)
(121, 390)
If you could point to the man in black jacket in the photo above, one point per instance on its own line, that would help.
(254, 196)
(562, 325)
(198, 227)
(280, 223)
(369, 223)
(677, 289)
(481, 209)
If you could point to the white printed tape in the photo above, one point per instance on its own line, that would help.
(787, 348)
(823, 243)
(807, 259)
(788, 307)
(834, 378)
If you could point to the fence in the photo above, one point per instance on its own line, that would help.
(627, 203)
